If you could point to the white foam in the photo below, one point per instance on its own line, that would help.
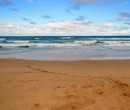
(117, 38)
(87, 43)
(116, 43)
(2, 39)
(66, 37)
(110, 39)
(40, 45)
(72, 44)
(20, 41)
(104, 43)
(37, 38)
(56, 44)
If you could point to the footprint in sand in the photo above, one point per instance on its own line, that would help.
(36, 106)
(126, 94)
(86, 95)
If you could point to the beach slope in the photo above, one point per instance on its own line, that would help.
(64, 85)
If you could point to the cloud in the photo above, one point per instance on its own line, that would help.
(128, 23)
(37, 1)
(80, 18)
(85, 1)
(32, 22)
(29, 20)
(5, 2)
(86, 23)
(64, 28)
(7, 25)
(67, 28)
(111, 29)
(124, 17)
(3, 23)
(13, 29)
(76, 4)
(62, 25)
(29, 0)
(46, 16)
(70, 9)
(121, 28)
(110, 2)
(14, 9)
(107, 25)
(26, 19)
(95, 2)
(125, 14)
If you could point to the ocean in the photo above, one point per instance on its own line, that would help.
(65, 47)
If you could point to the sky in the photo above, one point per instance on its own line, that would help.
(64, 17)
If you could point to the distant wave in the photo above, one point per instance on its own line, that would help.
(2, 39)
(86, 43)
(63, 41)
(37, 38)
(110, 39)
(38, 44)
(67, 38)
(18, 41)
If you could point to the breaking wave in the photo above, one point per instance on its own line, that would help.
(57, 41)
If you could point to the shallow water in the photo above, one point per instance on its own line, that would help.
(67, 53)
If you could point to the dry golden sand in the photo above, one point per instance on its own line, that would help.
(69, 85)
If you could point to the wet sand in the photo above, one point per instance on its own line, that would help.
(64, 85)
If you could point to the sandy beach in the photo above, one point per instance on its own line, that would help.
(64, 85)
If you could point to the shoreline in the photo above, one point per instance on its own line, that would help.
(64, 60)
(64, 85)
